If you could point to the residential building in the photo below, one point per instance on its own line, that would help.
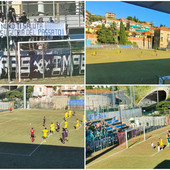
(96, 23)
(41, 90)
(110, 15)
(91, 39)
(161, 37)
(72, 90)
(87, 17)
(92, 30)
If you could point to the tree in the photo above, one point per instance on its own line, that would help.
(30, 90)
(54, 88)
(162, 106)
(161, 25)
(104, 35)
(94, 18)
(135, 19)
(122, 34)
(98, 26)
(114, 31)
(12, 95)
(89, 87)
(129, 18)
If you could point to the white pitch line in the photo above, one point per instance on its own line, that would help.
(4, 114)
(75, 129)
(8, 121)
(106, 157)
(154, 154)
(38, 146)
(13, 154)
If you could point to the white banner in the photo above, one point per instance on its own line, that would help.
(33, 29)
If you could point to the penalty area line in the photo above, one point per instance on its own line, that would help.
(38, 146)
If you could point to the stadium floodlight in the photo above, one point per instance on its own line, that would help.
(54, 58)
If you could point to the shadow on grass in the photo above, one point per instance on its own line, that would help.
(163, 165)
(16, 155)
(130, 72)
(133, 144)
(97, 156)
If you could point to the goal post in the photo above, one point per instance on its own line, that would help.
(50, 58)
(134, 136)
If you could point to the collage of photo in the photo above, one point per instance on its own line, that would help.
(84, 84)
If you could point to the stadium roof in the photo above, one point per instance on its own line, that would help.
(162, 6)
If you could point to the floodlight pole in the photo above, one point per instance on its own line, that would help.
(25, 97)
(7, 37)
(43, 60)
(70, 60)
(54, 10)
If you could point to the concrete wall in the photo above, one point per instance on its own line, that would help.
(103, 100)
(56, 102)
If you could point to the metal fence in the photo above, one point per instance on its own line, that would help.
(4, 106)
(70, 12)
(113, 46)
(125, 138)
(121, 114)
(76, 105)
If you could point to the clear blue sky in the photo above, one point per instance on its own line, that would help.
(122, 10)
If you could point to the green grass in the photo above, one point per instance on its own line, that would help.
(128, 67)
(15, 139)
(139, 156)
(56, 80)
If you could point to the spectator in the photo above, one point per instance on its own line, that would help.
(11, 17)
(67, 32)
(11, 14)
(11, 9)
(50, 20)
(1, 15)
(40, 20)
(35, 20)
(23, 17)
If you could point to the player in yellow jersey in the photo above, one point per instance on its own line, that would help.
(77, 125)
(161, 144)
(83, 118)
(45, 131)
(65, 124)
(70, 113)
(52, 128)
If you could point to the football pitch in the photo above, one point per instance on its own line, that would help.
(140, 155)
(17, 150)
(126, 66)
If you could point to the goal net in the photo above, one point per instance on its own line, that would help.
(53, 58)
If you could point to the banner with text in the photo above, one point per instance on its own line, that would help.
(55, 64)
(33, 29)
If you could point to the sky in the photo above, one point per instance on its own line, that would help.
(123, 10)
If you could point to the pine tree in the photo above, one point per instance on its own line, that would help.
(114, 31)
(122, 34)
